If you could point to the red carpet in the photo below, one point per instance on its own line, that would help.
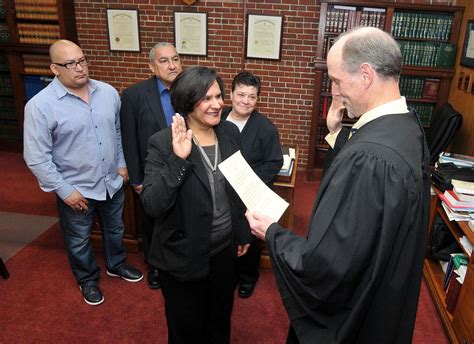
(20, 191)
(42, 303)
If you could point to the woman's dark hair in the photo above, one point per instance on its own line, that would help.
(190, 87)
(246, 79)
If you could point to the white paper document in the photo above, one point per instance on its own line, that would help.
(251, 189)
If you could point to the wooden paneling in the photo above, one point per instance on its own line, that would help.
(463, 102)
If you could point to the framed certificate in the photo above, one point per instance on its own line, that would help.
(190, 33)
(264, 35)
(123, 30)
(467, 57)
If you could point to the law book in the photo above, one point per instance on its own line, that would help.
(446, 55)
(430, 89)
(324, 111)
(455, 262)
(330, 13)
(452, 293)
(330, 43)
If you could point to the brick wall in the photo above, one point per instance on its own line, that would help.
(287, 91)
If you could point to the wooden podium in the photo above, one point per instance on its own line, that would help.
(285, 188)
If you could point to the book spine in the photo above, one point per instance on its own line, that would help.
(452, 293)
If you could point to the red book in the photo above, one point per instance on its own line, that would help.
(325, 108)
(430, 89)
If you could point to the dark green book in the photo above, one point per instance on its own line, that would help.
(446, 55)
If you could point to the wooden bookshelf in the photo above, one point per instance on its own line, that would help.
(459, 325)
(425, 49)
(27, 29)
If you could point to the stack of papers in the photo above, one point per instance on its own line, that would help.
(463, 187)
(289, 156)
(459, 203)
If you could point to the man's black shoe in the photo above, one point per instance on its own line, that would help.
(92, 294)
(246, 289)
(127, 273)
(153, 280)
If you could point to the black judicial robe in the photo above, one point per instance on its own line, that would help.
(356, 277)
(260, 146)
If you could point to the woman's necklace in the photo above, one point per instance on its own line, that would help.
(213, 167)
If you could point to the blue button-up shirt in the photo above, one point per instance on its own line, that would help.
(72, 145)
(165, 102)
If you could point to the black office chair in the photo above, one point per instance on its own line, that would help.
(444, 124)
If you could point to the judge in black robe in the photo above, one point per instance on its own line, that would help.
(356, 277)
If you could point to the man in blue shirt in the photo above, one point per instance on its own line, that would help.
(146, 109)
(73, 146)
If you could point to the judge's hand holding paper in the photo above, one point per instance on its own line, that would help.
(263, 205)
(259, 223)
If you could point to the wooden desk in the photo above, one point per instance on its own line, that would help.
(284, 188)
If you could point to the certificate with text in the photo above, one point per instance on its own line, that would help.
(255, 194)
(190, 33)
(123, 30)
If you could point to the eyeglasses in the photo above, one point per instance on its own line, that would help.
(73, 64)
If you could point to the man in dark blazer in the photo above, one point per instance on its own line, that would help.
(146, 109)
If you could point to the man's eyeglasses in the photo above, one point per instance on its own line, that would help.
(73, 64)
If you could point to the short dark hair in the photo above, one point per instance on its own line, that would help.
(246, 79)
(191, 86)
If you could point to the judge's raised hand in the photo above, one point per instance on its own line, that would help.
(259, 223)
(334, 116)
(182, 138)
